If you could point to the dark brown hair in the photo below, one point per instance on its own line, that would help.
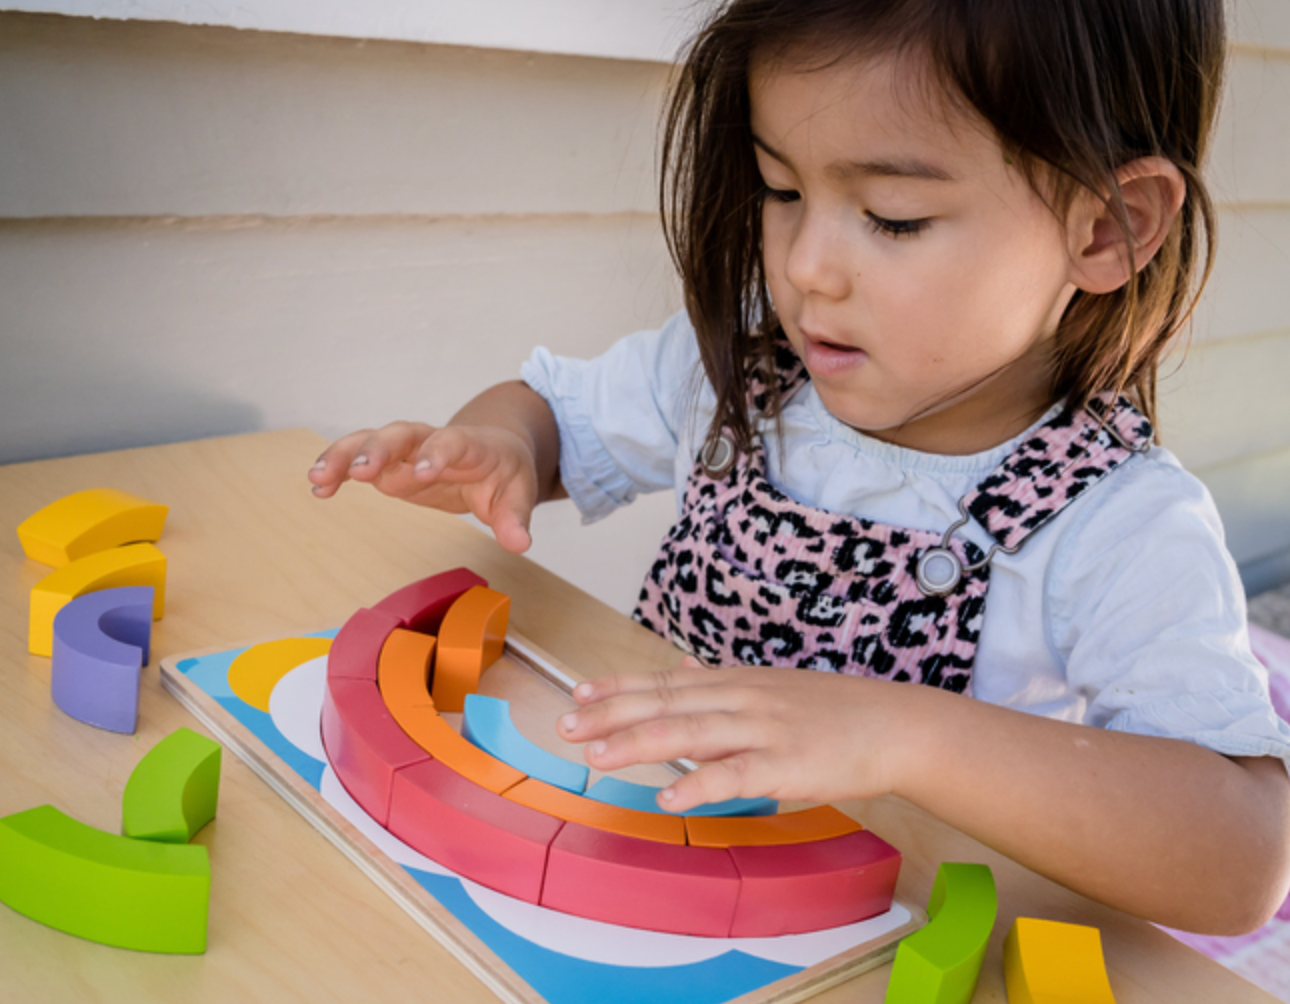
(1074, 89)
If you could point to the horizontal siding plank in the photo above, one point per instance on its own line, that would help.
(1252, 140)
(138, 119)
(118, 335)
(1260, 22)
(1247, 293)
(1251, 496)
(619, 29)
(1227, 399)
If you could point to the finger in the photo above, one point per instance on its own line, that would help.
(452, 454)
(704, 736)
(605, 687)
(511, 528)
(737, 776)
(331, 469)
(387, 449)
(605, 714)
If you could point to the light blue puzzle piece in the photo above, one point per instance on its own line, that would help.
(643, 798)
(487, 723)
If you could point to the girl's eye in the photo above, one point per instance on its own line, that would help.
(897, 228)
(781, 194)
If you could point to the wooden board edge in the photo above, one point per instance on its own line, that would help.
(388, 876)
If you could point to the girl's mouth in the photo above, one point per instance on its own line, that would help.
(823, 357)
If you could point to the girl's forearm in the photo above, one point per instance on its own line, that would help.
(1160, 828)
(518, 408)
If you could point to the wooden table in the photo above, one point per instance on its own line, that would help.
(252, 555)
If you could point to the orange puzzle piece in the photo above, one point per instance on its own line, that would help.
(428, 730)
(471, 638)
(598, 815)
(403, 669)
(823, 822)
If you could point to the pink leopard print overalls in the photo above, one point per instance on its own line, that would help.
(748, 576)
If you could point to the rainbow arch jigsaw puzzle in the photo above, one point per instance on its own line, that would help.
(308, 715)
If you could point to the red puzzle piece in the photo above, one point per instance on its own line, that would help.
(486, 838)
(421, 605)
(356, 652)
(794, 888)
(364, 743)
(641, 883)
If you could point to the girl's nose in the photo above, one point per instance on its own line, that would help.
(816, 261)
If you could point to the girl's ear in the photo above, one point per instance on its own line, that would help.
(1153, 190)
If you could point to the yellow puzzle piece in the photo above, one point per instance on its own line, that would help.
(132, 565)
(1048, 962)
(86, 522)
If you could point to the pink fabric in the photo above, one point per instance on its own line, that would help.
(1262, 957)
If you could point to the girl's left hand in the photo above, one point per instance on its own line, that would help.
(757, 731)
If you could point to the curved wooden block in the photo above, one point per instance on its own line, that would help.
(794, 888)
(940, 964)
(138, 894)
(132, 565)
(471, 638)
(430, 732)
(422, 605)
(641, 883)
(597, 815)
(173, 791)
(100, 645)
(403, 669)
(364, 744)
(87, 522)
(356, 650)
(1048, 962)
(487, 723)
(821, 822)
(644, 798)
(475, 832)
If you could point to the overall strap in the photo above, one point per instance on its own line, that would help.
(1054, 466)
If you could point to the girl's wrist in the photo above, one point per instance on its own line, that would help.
(913, 723)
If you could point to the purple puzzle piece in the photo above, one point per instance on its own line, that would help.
(100, 647)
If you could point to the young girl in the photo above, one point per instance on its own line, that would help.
(932, 253)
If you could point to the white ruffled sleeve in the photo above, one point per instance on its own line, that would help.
(622, 416)
(1148, 615)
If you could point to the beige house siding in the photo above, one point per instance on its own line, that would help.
(206, 231)
(1226, 410)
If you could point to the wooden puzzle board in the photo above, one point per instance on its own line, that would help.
(523, 953)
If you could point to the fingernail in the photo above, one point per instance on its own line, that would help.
(596, 748)
(319, 464)
(423, 466)
(582, 690)
(359, 461)
(666, 795)
(568, 723)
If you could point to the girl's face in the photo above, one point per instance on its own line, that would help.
(915, 271)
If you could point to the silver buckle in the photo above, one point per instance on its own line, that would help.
(718, 456)
(937, 581)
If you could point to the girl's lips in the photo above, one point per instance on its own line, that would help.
(823, 358)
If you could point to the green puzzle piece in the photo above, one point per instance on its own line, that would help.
(138, 894)
(940, 964)
(174, 789)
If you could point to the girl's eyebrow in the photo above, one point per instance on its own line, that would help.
(844, 170)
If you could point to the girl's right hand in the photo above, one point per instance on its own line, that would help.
(487, 471)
